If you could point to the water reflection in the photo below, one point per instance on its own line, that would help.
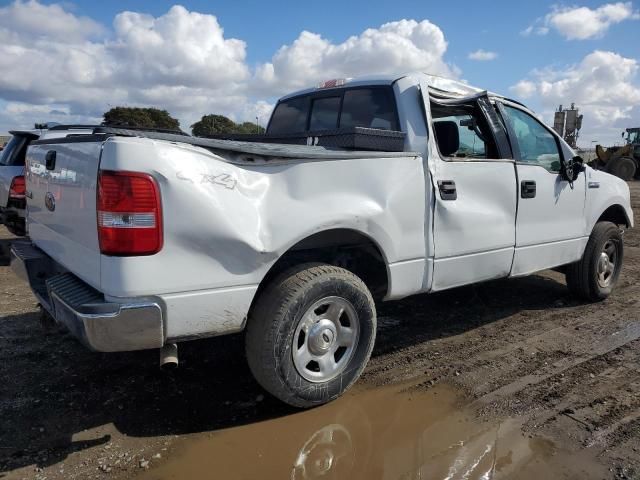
(376, 434)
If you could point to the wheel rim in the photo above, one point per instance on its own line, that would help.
(606, 267)
(325, 339)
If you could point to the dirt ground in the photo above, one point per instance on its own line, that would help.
(514, 352)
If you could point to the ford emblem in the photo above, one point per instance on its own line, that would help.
(50, 201)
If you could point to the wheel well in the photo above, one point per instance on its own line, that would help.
(615, 214)
(344, 248)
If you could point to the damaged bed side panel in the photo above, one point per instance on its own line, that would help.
(225, 225)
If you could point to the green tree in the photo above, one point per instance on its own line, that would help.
(215, 124)
(140, 117)
(212, 124)
(249, 127)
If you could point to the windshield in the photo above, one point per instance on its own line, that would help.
(634, 137)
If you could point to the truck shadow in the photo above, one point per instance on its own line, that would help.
(57, 396)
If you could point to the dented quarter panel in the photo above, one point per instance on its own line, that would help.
(225, 224)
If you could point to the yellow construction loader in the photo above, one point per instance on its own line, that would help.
(622, 161)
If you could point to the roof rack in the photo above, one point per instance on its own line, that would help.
(72, 127)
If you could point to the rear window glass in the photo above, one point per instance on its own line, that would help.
(290, 116)
(371, 108)
(13, 152)
(324, 113)
(353, 107)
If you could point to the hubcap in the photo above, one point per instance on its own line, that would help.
(325, 339)
(606, 266)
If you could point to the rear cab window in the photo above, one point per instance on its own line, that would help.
(368, 107)
(14, 152)
(324, 113)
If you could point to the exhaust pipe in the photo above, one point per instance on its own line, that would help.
(169, 356)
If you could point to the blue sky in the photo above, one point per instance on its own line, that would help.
(468, 25)
(556, 60)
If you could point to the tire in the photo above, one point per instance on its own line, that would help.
(297, 332)
(623, 167)
(589, 278)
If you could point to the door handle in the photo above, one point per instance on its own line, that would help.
(447, 189)
(50, 159)
(528, 189)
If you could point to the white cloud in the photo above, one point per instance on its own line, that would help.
(32, 21)
(482, 55)
(533, 29)
(56, 64)
(178, 48)
(397, 47)
(524, 88)
(179, 61)
(581, 23)
(603, 85)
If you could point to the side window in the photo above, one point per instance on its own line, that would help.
(536, 144)
(461, 131)
(290, 116)
(370, 108)
(324, 113)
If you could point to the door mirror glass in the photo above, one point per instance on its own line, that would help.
(570, 169)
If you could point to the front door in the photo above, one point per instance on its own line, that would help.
(475, 193)
(550, 226)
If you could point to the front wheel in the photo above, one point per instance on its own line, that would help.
(593, 277)
(310, 334)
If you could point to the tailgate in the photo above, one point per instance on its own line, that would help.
(61, 203)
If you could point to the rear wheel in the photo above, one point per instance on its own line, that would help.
(310, 334)
(595, 275)
(623, 167)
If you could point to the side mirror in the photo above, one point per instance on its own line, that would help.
(570, 169)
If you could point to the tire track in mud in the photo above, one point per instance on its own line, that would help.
(614, 341)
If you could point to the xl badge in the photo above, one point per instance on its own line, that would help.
(50, 201)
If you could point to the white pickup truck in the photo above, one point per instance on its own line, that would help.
(12, 160)
(156, 239)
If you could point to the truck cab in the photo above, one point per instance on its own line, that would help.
(496, 173)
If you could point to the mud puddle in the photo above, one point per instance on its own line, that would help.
(396, 432)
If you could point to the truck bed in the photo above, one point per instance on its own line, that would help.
(230, 210)
(264, 150)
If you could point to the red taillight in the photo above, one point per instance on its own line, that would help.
(18, 188)
(129, 214)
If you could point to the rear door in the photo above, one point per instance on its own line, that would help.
(61, 179)
(475, 193)
(550, 228)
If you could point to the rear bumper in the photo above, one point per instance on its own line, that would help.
(102, 326)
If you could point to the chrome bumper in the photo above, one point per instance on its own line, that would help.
(102, 326)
